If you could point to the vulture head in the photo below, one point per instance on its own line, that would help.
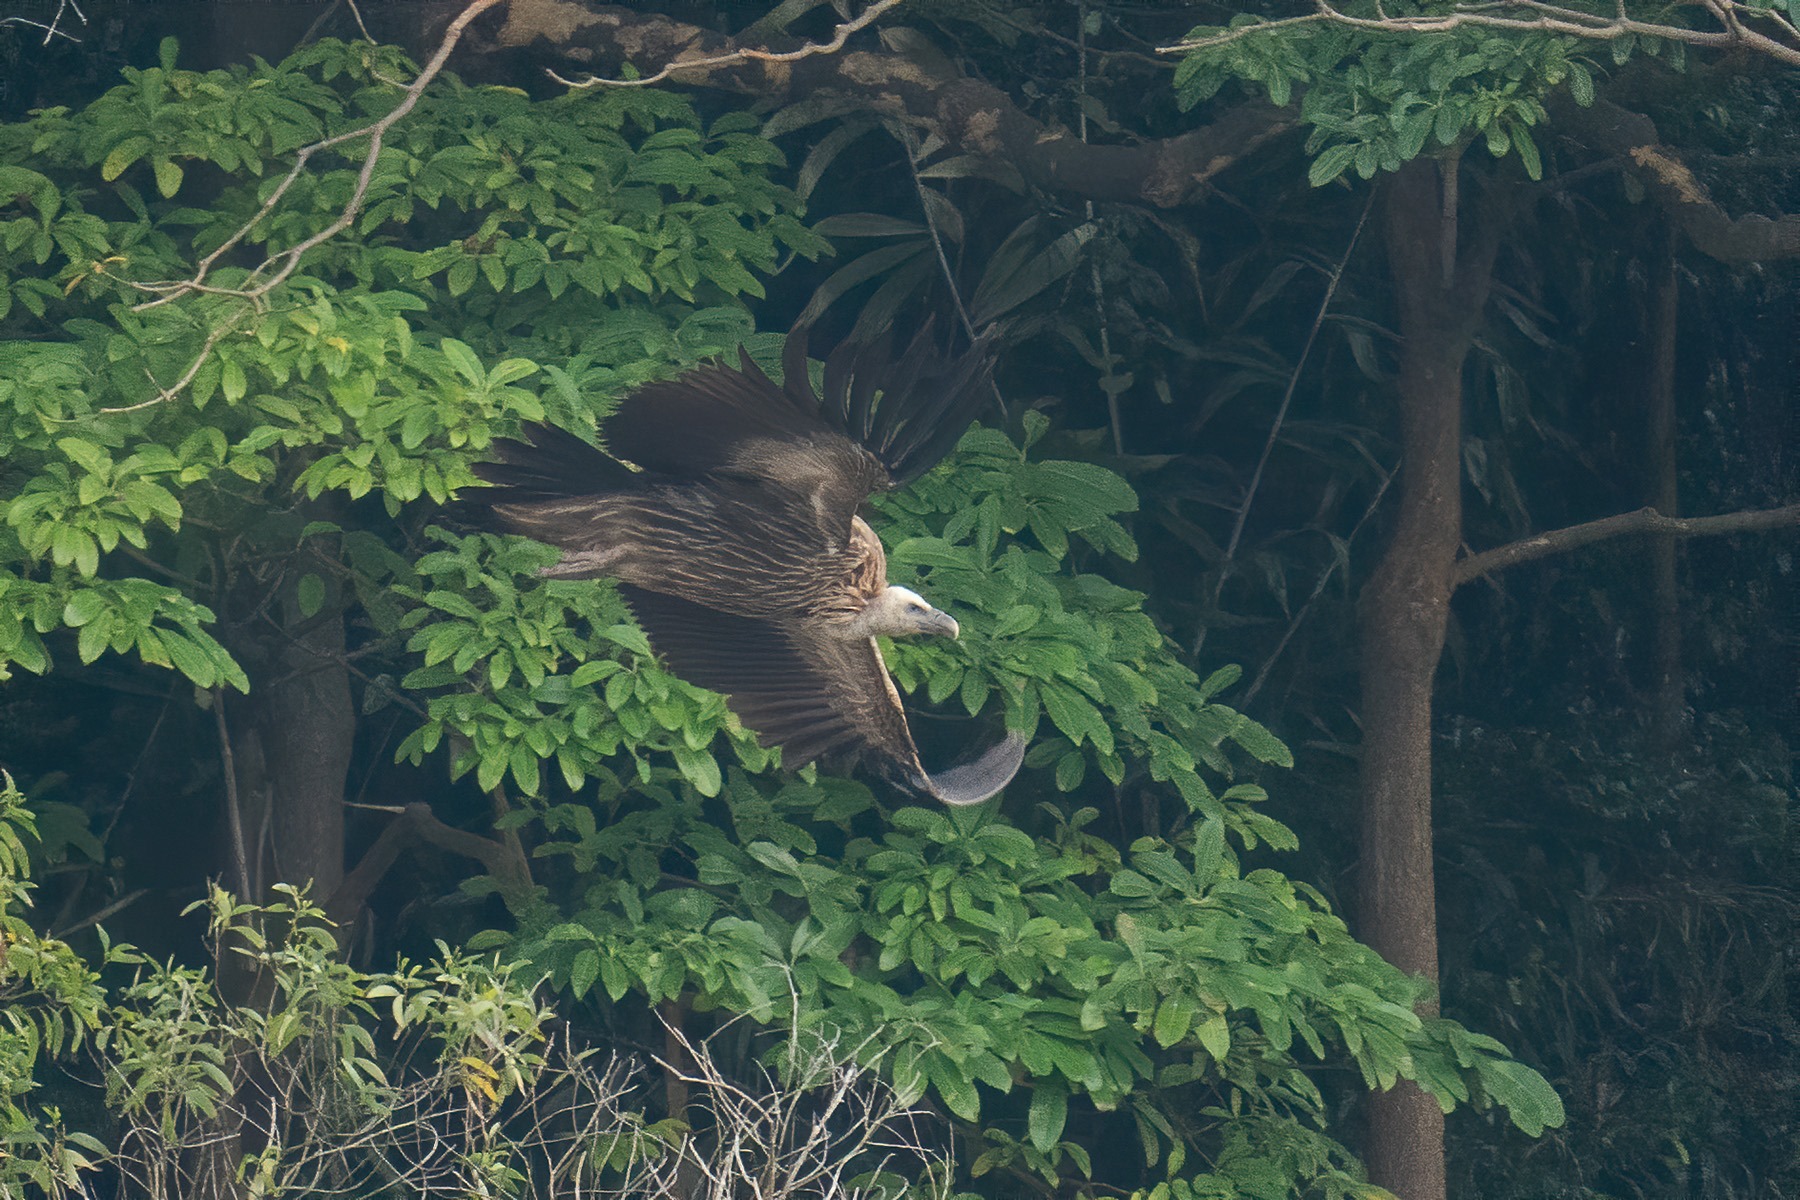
(901, 612)
(733, 534)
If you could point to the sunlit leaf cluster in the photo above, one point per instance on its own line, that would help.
(1375, 98)
(148, 431)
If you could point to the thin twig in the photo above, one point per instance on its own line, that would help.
(1546, 18)
(125, 901)
(234, 816)
(1099, 284)
(1262, 673)
(54, 29)
(1287, 397)
(943, 258)
(164, 394)
(283, 265)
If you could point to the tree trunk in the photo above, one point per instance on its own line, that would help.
(1403, 611)
(292, 740)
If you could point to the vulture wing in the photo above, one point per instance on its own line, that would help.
(737, 531)
(552, 465)
(881, 423)
(815, 697)
(907, 411)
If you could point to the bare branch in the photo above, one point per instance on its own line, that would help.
(54, 29)
(1287, 397)
(1632, 137)
(470, 1089)
(94, 918)
(1644, 520)
(275, 270)
(164, 394)
(1538, 18)
(234, 813)
(842, 34)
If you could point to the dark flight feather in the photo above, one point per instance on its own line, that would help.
(777, 688)
(736, 542)
(553, 465)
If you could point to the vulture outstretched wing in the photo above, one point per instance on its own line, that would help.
(816, 698)
(736, 540)
(882, 422)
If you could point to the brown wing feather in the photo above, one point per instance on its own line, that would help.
(815, 697)
(717, 420)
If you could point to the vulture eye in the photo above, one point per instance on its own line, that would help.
(915, 606)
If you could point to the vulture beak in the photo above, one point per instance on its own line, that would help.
(942, 624)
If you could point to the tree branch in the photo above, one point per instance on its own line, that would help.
(927, 93)
(1631, 136)
(54, 29)
(275, 270)
(1538, 18)
(1644, 520)
(418, 825)
(745, 54)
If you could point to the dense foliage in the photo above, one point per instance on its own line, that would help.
(1114, 981)
(179, 459)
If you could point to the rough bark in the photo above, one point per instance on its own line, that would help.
(1403, 611)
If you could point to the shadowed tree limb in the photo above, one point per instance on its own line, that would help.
(1643, 520)
(924, 92)
(974, 118)
(418, 825)
(1632, 137)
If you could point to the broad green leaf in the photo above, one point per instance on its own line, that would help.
(1049, 1114)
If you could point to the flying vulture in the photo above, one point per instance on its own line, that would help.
(736, 539)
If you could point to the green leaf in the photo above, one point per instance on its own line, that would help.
(1049, 1114)
(311, 594)
(1526, 1095)
(583, 971)
(1331, 164)
(1261, 744)
(83, 607)
(1581, 85)
(87, 455)
(1215, 1035)
(700, 769)
(1173, 1020)
(123, 155)
(463, 360)
(190, 660)
(168, 177)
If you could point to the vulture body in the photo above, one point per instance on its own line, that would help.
(737, 543)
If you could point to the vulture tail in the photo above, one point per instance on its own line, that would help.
(549, 463)
(967, 783)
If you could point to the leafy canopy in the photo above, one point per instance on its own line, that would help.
(1377, 95)
(177, 455)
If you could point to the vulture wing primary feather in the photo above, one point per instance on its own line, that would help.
(737, 544)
